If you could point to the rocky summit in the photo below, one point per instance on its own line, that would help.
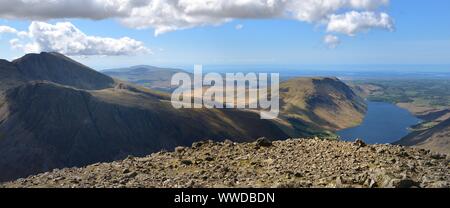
(297, 163)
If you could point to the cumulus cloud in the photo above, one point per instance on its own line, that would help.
(10, 30)
(65, 38)
(239, 27)
(29, 47)
(169, 15)
(353, 22)
(368, 4)
(346, 17)
(7, 29)
(331, 41)
(56, 9)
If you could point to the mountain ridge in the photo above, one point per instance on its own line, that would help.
(57, 68)
(436, 138)
(67, 119)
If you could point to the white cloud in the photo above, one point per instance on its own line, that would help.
(368, 4)
(64, 37)
(167, 15)
(353, 22)
(239, 27)
(7, 29)
(331, 41)
(170, 15)
(30, 47)
(56, 9)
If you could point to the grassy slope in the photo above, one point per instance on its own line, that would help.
(435, 138)
(427, 99)
(324, 103)
(57, 113)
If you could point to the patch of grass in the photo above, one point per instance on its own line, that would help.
(420, 92)
(424, 126)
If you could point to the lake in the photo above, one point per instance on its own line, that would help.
(384, 123)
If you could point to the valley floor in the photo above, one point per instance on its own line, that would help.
(297, 163)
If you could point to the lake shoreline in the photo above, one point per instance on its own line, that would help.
(384, 123)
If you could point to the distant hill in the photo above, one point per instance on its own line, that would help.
(436, 138)
(56, 113)
(321, 103)
(310, 104)
(56, 68)
(52, 121)
(148, 76)
(427, 99)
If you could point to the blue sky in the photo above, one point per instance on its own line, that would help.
(421, 36)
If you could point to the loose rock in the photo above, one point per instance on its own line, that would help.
(360, 143)
(263, 142)
(296, 163)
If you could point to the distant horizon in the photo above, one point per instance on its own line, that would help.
(291, 69)
(292, 32)
(429, 68)
(426, 68)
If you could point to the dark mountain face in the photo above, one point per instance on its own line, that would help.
(320, 103)
(436, 138)
(57, 113)
(52, 121)
(10, 76)
(52, 126)
(54, 67)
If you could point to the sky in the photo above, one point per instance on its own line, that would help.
(117, 33)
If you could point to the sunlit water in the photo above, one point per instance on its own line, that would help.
(384, 123)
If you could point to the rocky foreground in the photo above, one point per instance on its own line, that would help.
(297, 163)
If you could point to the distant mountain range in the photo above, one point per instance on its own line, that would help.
(56, 113)
(148, 76)
(322, 103)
